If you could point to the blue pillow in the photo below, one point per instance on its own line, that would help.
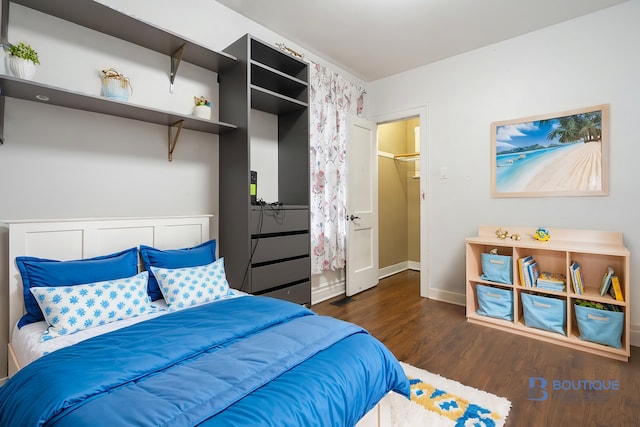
(203, 254)
(40, 272)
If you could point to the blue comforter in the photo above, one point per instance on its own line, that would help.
(242, 361)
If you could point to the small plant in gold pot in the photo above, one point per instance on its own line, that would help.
(23, 60)
(116, 85)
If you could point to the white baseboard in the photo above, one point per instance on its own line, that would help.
(635, 335)
(392, 269)
(398, 268)
(414, 265)
(448, 296)
(327, 285)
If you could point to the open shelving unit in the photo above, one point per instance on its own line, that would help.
(104, 19)
(593, 250)
(266, 246)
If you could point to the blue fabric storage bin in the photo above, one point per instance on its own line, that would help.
(600, 326)
(495, 302)
(496, 268)
(545, 313)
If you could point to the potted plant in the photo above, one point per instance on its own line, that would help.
(202, 108)
(116, 85)
(23, 60)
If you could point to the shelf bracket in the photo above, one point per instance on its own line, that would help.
(176, 57)
(173, 140)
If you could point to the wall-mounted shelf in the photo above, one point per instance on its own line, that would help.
(101, 18)
(38, 92)
(106, 20)
(32, 91)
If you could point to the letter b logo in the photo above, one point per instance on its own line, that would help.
(538, 389)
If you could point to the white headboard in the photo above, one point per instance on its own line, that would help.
(85, 238)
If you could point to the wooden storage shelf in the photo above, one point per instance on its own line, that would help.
(593, 250)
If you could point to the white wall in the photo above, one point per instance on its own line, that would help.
(587, 61)
(62, 163)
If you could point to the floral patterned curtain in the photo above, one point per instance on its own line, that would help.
(332, 98)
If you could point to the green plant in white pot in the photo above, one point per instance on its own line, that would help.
(23, 60)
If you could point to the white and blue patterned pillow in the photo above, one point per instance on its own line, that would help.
(189, 286)
(69, 309)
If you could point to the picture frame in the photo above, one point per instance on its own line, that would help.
(557, 154)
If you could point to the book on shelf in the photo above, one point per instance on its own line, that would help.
(551, 281)
(576, 278)
(532, 269)
(580, 279)
(606, 281)
(615, 289)
(522, 263)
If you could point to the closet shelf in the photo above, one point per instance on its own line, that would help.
(407, 157)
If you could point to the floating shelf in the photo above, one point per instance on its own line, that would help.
(104, 19)
(38, 92)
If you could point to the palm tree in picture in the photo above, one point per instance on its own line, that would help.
(584, 126)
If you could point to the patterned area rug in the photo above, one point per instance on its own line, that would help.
(437, 401)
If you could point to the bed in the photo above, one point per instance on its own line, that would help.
(204, 354)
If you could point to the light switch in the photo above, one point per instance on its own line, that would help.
(443, 173)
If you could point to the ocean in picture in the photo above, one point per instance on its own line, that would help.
(515, 170)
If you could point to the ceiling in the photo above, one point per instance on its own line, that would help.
(372, 39)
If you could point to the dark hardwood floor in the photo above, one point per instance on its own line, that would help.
(435, 336)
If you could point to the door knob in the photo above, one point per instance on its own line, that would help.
(353, 217)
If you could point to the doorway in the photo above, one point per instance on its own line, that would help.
(399, 195)
(408, 165)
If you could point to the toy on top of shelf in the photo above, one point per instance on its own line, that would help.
(542, 234)
(503, 234)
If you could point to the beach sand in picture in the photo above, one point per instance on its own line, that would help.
(576, 169)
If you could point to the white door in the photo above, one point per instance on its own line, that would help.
(362, 205)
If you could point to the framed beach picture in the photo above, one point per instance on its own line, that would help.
(560, 154)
